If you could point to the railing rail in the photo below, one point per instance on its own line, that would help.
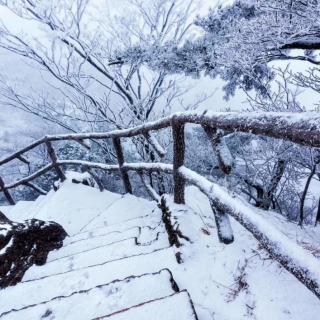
(300, 128)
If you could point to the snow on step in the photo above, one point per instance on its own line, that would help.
(100, 254)
(129, 207)
(6, 209)
(38, 203)
(92, 243)
(176, 306)
(152, 219)
(101, 300)
(64, 284)
(20, 211)
(74, 206)
(89, 207)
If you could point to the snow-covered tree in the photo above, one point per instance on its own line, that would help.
(78, 44)
(239, 41)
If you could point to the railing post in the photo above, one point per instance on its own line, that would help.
(124, 173)
(54, 160)
(178, 160)
(6, 193)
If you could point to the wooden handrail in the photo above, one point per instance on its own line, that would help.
(300, 128)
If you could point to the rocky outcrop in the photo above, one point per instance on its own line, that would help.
(25, 244)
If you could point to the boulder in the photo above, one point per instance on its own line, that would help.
(25, 244)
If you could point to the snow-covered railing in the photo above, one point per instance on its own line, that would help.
(300, 128)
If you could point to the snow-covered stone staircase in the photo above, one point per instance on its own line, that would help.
(117, 263)
(113, 264)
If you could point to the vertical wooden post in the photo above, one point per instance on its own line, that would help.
(6, 193)
(124, 173)
(178, 160)
(54, 160)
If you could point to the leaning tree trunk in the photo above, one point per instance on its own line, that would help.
(304, 194)
(271, 188)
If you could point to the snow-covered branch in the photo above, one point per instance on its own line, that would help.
(296, 260)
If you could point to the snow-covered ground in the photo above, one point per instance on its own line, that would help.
(117, 263)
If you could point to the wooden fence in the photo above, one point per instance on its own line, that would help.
(301, 128)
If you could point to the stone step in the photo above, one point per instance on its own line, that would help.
(129, 207)
(20, 211)
(102, 253)
(150, 220)
(100, 300)
(144, 236)
(173, 307)
(46, 288)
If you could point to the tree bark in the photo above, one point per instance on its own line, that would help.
(304, 194)
(6, 193)
(54, 160)
(222, 151)
(124, 173)
(277, 174)
(225, 233)
(178, 160)
(36, 188)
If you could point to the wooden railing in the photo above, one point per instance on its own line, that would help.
(302, 128)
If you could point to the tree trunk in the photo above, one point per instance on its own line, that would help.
(220, 148)
(54, 160)
(6, 193)
(124, 173)
(277, 174)
(304, 194)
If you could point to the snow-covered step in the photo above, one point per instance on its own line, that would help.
(40, 201)
(101, 254)
(144, 236)
(20, 211)
(64, 284)
(151, 221)
(75, 202)
(23, 210)
(174, 307)
(101, 300)
(130, 207)
(92, 243)
(6, 209)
